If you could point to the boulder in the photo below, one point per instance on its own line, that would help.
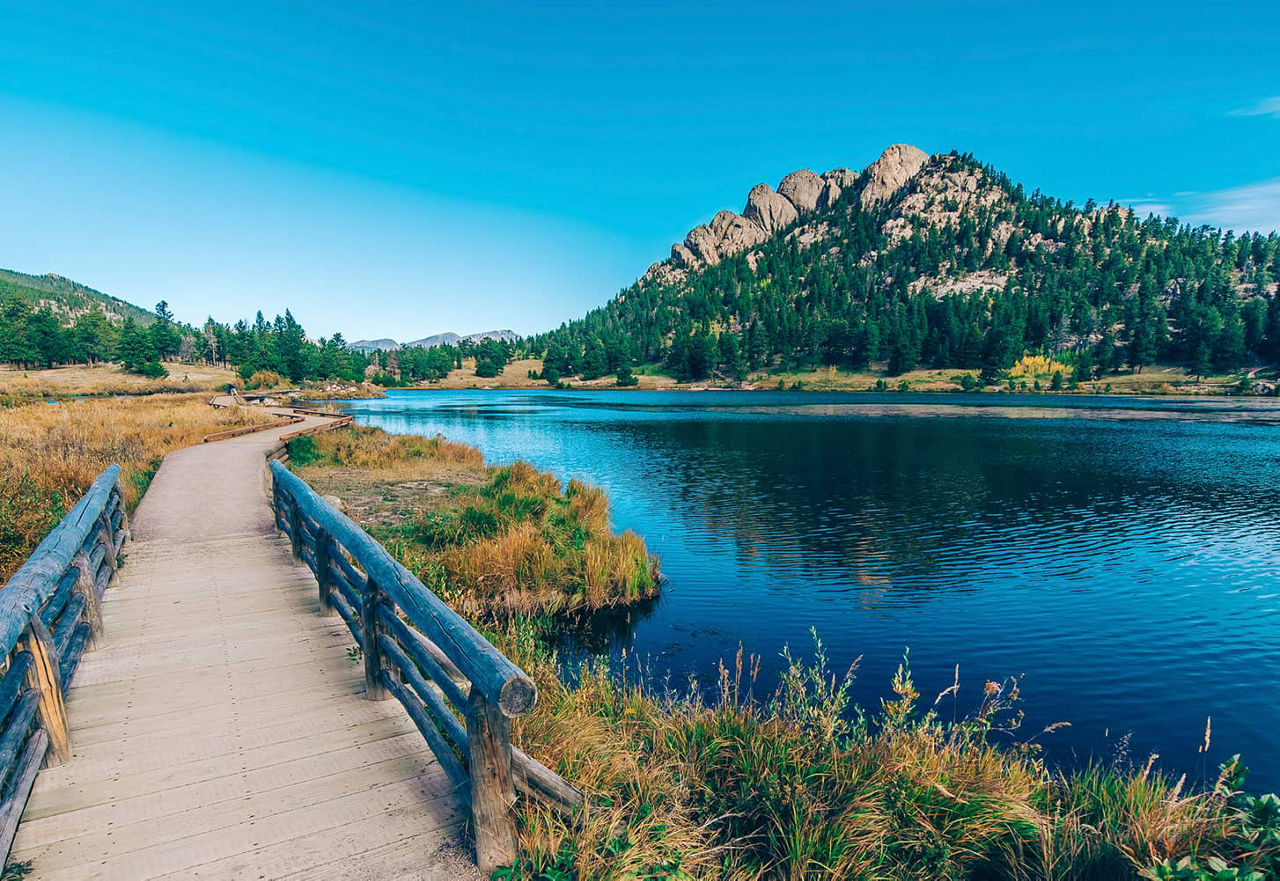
(802, 189)
(734, 233)
(769, 210)
(891, 171)
(701, 241)
(836, 181)
(683, 255)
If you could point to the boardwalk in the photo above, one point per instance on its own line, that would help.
(218, 729)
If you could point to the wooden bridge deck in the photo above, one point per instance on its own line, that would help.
(218, 729)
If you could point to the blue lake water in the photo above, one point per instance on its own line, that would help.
(1121, 555)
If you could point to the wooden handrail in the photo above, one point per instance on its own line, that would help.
(419, 651)
(251, 429)
(48, 617)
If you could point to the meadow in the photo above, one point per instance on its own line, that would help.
(108, 379)
(51, 452)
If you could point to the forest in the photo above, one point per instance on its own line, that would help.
(1094, 287)
(34, 336)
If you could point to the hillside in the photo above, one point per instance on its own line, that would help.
(68, 299)
(933, 261)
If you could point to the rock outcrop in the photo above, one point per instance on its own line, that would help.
(802, 189)
(886, 175)
(768, 212)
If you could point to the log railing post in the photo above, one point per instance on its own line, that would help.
(492, 789)
(370, 627)
(51, 711)
(295, 531)
(124, 514)
(109, 542)
(85, 587)
(323, 549)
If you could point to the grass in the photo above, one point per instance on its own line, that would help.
(492, 541)
(794, 784)
(803, 785)
(1154, 380)
(50, 453)
(110, 379)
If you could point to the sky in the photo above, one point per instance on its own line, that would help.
(397, 170)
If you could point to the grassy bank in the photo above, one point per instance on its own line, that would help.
(50, 453)
(793, 783)
(1026, 377)
(492, 541)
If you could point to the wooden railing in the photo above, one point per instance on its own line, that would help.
(49, 613)
(419, 651)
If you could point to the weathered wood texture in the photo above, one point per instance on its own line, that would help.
(218, 731)
(48, 614)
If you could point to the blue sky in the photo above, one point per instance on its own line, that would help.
(404, 169)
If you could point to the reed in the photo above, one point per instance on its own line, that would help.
(805, 785)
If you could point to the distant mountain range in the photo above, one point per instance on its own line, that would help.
(431, 342)
(67, 299)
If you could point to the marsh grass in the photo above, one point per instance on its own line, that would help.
(493, 541)
(50, 453)
(806, 785)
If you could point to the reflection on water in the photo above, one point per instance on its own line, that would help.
(1121, 553)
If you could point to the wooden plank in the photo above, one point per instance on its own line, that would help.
(401, 782)
(367, 763)
(203, 845)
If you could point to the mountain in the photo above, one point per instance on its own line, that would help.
(366, 346)
(431, 342)
(933, 260)
(452, 339)
(67, 299)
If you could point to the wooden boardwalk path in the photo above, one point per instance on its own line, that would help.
(218, 729)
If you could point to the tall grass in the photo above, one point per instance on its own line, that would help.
(805, 785)
(506, 540)
(50, 453)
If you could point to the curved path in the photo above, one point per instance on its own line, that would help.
(218, 729)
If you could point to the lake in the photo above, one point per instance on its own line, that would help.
(1118, 554)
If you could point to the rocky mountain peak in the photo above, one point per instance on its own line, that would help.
(768, 212)
(886, 175)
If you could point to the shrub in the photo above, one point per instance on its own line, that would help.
(263, 379)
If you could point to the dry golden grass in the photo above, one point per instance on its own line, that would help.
(111, 379)
(497, 541)
(805, 786)
(50, 453)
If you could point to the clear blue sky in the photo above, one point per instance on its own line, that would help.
(402, 169)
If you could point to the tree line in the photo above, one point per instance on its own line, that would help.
(37, 337)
